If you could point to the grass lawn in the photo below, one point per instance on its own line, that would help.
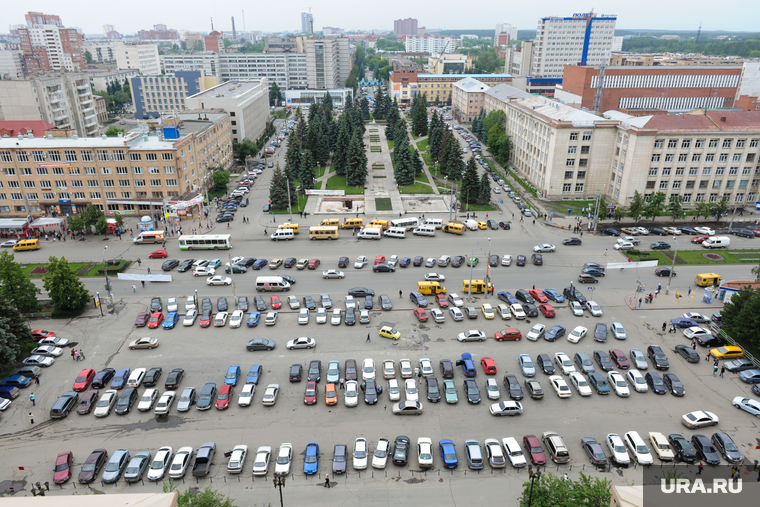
(695, 257)
(301, 205)
(216, 193)
(383, 204)
(319, 171)
(478, 207)
(421, 186)
(75, 266)
(391, 144)
(422, 145)
(339, 183)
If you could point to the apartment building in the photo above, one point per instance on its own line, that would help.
(307, 22)
(518, 62)
(328, 62)
(129, 174)
(99, 79)
(101, 110)
(504, 34)
(153, 96)
(12, 63)
(467, 98)
(408, 26)
(160, 33)
(431, 44)
(404, 85)
(47, 45)
(63, 99)
(138, 56)
(214, 42)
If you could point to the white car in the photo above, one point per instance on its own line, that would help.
(48, 350)
(180, 462)
(321, 317)
(284, 457)
(576, 308)
(106, 403)
(333, 273)
(405, 365)
(350, 303)
(271, 319)
(246, 395)
(517, 311)
(673, 230)
(410, 390)
(699, 419)
(165, 403)
(624, 245)
(37, 360)
(303, 316)
(580, 383)
(545, 247)
(536, 332)
(617, 449)
(236, 318)
(270, 395)
(160, 463)
(337, 317)
(504, 312)
(699, 317)
(361, 261)
(368, 369)
(456, 314)
(360, 454)
(389, 369)
(204, 271)
(560, 386)
(190, 303)
(437, 315)
(594, 308)
(638, 448)
(393, 260)
(637, 380)
(302, 342)
(506, 260)
(394, 393)
(618, 383)
(642, 230)
(55, 341)
(190, 317)
(171, 305)
(352, 393)
(455, 300)
(237, 459)
(748, 405)
(364, 317)
(200, 263)
(495, 453)
(705, 230)
(492, 389)
(424, 452)
(577, 334)
(434, 277)
(219, 280)
(221, 319)
(261, 461)
(696, 332)
(473, 335)
(136, 377)
(564, 362)
(426, 367)
(234, 260)
(149, 397)
(514, 452)
(293, 303)
(380, 456)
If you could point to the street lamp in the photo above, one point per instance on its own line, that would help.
(105, 273)
(488, 268)
(533, 476)
(232, 274)
(279, 482)
(672, 267)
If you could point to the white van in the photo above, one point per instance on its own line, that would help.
(149, 237)
(282, 235)
(717, 242)
(395, 232)
(370, 233)
(271, 284)
(471, 224)
(425, 230)
(434, 222)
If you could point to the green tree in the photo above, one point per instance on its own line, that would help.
(435, 136)
(205, 498)
(275, 95)
(495, 117)
(719, 207)
(654, 205)
(454, 165)
(364, 106)
(402, 161)
(88, 56)
(13, 331)
(63, 286)
(126, 88)
(76, 223)
(119, 219)
(485, 189)
(197, 45)
(101, 226)
(327, 102)
(278, 189)
(703, 209)
(636, 207)
(552, 491)
(417, 163)
(675, 209)
(221, 178)
(469, 192)
(499, 144)
(601, 212)
(113, 131)
(340, 156)
(619, 213)
(91, 216)
(15, 286)
(741, 316)
(356, 166)
(306, 173)
(243, 150)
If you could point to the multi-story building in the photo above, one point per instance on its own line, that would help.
(331, 31)
(406, 26)
(100, 109)
(504, 35)
(583, 38)
(99, 80)
(431, 43)
(132, 173)
(208, 63)
(23, 128)
(518, 62)
(307, 22)
(288, 70)
(139, 56)
(159, 34)
(404, 85)
(48, 45)
(247, 103)
(448, 63)
(328, 62)
(63, 99)
(214, 42)
(154, 96)
(101, 51)
(497, 97)
(304, 98)
(282, 45)
(467, 99)
(12, 63)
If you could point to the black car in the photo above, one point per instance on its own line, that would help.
(383, 268)
(247, 262)
(457, 261)
(350, 318)
(746, 233)
(242, 303)
(155, 305)
(597, 381)
(235, 268)
(705, 449)
(530, 310)
(673, 384)
(369, 302)
(360, 292)
(224, 218)
(658, 231)
(572, 241)
(658, 358)
(688, 353)
(315, 371)
(663, 272)
(342, 262)
(433, 389)
(711, 341)
(447, 369)
(524, 296)
(206, 304)
(371, 391)
(401, 450)
(259, 303)
(537, 259)
(170, 264)
(688, 230)
(600, 332)
(493, 261)
(418, 261)
(513, 386)
(727, 447)
(492, 224)
(593, 265)
(309, 303)
(127, 398)
(660, 245)
(603, 360)
(594, 451)
(350, 368)
(586, 278)
(174, 378)
(244, 202)
(418, 299)
(221, 304)
(185, 265)
(102, 378)
(472, 391)
(521, 259)
(682, 448)
(206, 396)
(611, 232)
(655, 383)
(545, 363)
(296, 371)
(151, 377)
(29, 372)
(504, 225)
(259, 344)
(593, 271)
(574, 294)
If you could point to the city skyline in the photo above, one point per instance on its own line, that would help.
(196, 15)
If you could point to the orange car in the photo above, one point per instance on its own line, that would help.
(331, 395)
(155, 320)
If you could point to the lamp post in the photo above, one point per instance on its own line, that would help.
(488, 268)
(105, 273)
(451, 197)
(279, 482)
(232, 274)
(672, 267)
(533, 476)
(469, 288)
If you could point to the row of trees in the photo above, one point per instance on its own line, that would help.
(407, 162)
(444, 149)
(379, 66)
(659, 204)
(748, 48)
(490, 129)
(275, 95)
(92, 218)
(383, 104)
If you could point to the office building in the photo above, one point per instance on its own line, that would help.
(139, 56)
(467, 99)
(406, 26)
(404, 85)
(584, 39)
(153, 96)
(159, 34)
(12, 64)
(63, 99)
(431, 44)
(518, 62)
(328, 62)
(47, 45)
(307, 22)
(247, 103)
(101, 51)
(448, 63)
(617, 44)
(304, 98)
(282, 45)
(100, 79)
(504, 35)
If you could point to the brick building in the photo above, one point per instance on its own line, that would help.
(404, 85)
(48, 45)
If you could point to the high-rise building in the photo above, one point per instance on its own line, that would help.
(159, 34)
(432, 44)
(328, 62)
(406, 26)
(307, 20)
(505, 33)
(584, 39)
(139, 56)
(47, 45)
(157, 95)
(12, 63)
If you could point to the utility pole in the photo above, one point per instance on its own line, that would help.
(488, 268)
(672, 267)
(596, 216)
(469, 288)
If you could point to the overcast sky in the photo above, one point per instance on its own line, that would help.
(129, 16)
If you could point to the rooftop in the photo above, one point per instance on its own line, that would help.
(636, 121)
(700, 120)
(469, 84)
(484, 77)
(504, 92)
(230, 89)
(11, 128)
(555, 110)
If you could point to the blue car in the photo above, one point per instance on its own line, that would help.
(468, 365)
(214, 263)
(120, 378)
(311, 458)
(748, 376)
(261, 263)
(684, 322)
(554, 295)
(448, 453)
(405, 261)
(253, 319)
(16, 381)
(508, 298)
(233, 372)
(171, 320)
(254, 374)
(554, 333)
(115, 466)
(102, 377)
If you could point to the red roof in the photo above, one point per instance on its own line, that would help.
(728, 121)
(14, 128)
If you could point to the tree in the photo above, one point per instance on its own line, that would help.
(244, 149)
(636, 208)
(675, 209)
(327, 102)
(306, 172)
(221, 178)
(119, 219)
(435, 136)
(205, 498)
(469, 192)
(275, 95)
(454, 165)
(113, 131)
(90, 216)
(88, 56)
(197, 45)
(488, 62)
(356, 163)
(741, 316)
(278, 189)
(402, 161)
(15, 286)
(619, 213)
(553, 491)
(126, 88)
(719, 207)
(703, 208)
(485, 189)
(76, 223)
(340, 156)
(101, 226)
(364, 106)
(495, 117)
(63, 286)
(654, 205)
(13, 332)
(417, 163)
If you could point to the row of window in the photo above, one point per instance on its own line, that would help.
(706, 171)
(571, 150)
(697, 157)
(700, 143)
(43, 171)
(86, 155)
(702, 184)
(45, 184)
(34, 197)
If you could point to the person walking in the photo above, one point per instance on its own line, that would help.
(664, 326)
(139, 262)
(341, 382)
(639, 302)
(31, 418)
(81, 354)
(134, 288)
(76, 355)
(148, 270)
(73, 355)
(36, 381)
(699, 469)
(31, 397)
(327, 480)
(715, 369)
(143, 283)
(368, 339)
(707, 357)
(399, 295)
(722, 371)
(694, 344)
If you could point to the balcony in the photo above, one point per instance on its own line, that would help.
(56, 97)
(60, 116)
(83, 86)
(91, 120)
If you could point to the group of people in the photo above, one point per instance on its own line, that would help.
(77, 355)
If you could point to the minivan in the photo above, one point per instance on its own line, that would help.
(290, 226)
(352, 223)
(454, 228)
(425, 230)
(271, 284)
(382, 224)
(27, 244)
(370, 233)
(282, 235)
(556, 447)
(434, 222)
(430, 288)
(328, 222)
(711, 242)
(149, 237)
(395, 232)
(64, 404)
(471, 224)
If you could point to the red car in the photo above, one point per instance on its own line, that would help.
(547, 310)
(142, 319)
(699, 239)
(620, 360)
(539, 295)
(757, 232)
(508, 334)
(39, 334)
(488, 364)
(536, 452)
(421, 314)
(155, 320)
(275, 302)
(313, 264)
(442, 301)
(224, 396)
(158, 254)
(380, 259)
(83, 379)
(310, 395)
(206, 319)
(63, 467)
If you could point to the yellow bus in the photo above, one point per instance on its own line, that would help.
(323, 232)
(430, 288)
(478, 286)
(352, 223)
(707, 280)
(327, 222)
(454, 228)
(381, 224)
(292, 227)
(27, 244)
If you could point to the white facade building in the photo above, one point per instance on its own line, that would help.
(431, 44)
(12, 64)
(142, 57)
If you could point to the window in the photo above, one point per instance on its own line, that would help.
(76, 183)
(13, 184)
(134, 157)
(696, 157)
(717, 183)
(673, 143)
(666, 171)
(27, 171)
(10, 171)
(583, 162)
(746, 171)
(123, 183)
(86, 155)
(102, 156)
(733, 171)
(151, 156)
(17, 197)
(32, 197)
(167, 157)
(139, 183)
(570, 162)
(713, 143)
(703, 183)
(713, 197)
(710, 157)
(579, 186)
(105, 170)
(686, 144)
(699, 143)
(650, 184)
(586, 137)
(155, 183)
(652, 171)
(586, 149)
(126, 195)
(28, 184)
(612, 177)
(686, 197)
(676, 185)
(89, 170)
(153, 170)
(568, 175)
(46, 184)
(21, 156)
(137, 170)
(5, 156)
(750, 157)
(740, 143)
(727, 144)
(663, 185)
(752, 144)
(108, 183)
(739, 197)
(737, 157)
(719, 171)
(60, 184)
(94, 195)
(706, 171)
(48, 196)
(110, 195)
(119, 155)
(690, 184)
(4, 209)
(658, 144)
(173, 183)
(93, 183)
(41, 171)
(729, 184)
(571, 150)
(38, 156)
(669, 157)
(655, 158)
(566, 187)
(71, 155)
(682, 157)
(78, 195)
(700, 198)
(168, 169)
(122, 170)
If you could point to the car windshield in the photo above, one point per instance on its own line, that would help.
(283, 460)
(310, 459)
(380, 453)
(657, 382)
(731, 447)
(104, 403)
(61, 467)
(642, 449)
(112, 466)
(88, 467)
(360, 454)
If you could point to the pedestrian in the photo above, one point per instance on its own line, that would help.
(76, 355)
(722, 371)
(134, 289)
(656, 291)
(148, 270)
(416, 372)
(566, 479)
(534, 287)
(399, 295)
(31, 418)
(639, 302)
(31, 397)
(228, 225)
(143, 283)
(72, 355)
(707, 357)
(664, 325)
(139, 262)
(581, 234)
(534, 221)
(266, 229)
(689, 291)
(605, 251)
(368, 339)
(659, 286)
(341, 382)
(36, 381)
(715, 369)
(699, 469)
(694, 343)
(81, 354)
(327, 480)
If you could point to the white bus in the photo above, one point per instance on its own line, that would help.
(205, 242)
(406, 223)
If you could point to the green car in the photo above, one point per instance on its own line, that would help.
(450, 390)
(472, 261)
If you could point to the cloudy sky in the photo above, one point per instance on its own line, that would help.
(132, 15)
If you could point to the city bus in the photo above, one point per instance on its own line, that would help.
(205, 242)
(323, 232)
(406, 223)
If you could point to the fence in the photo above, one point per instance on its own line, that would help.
(718, 331)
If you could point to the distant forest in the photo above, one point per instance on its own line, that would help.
(747, 48)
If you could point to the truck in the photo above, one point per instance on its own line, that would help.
(203, 459)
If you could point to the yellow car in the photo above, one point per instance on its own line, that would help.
(488, 312)
(482, 226)
(727, 352)
(389, 332)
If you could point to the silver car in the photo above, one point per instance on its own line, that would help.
(639, 359)
(186, 399)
